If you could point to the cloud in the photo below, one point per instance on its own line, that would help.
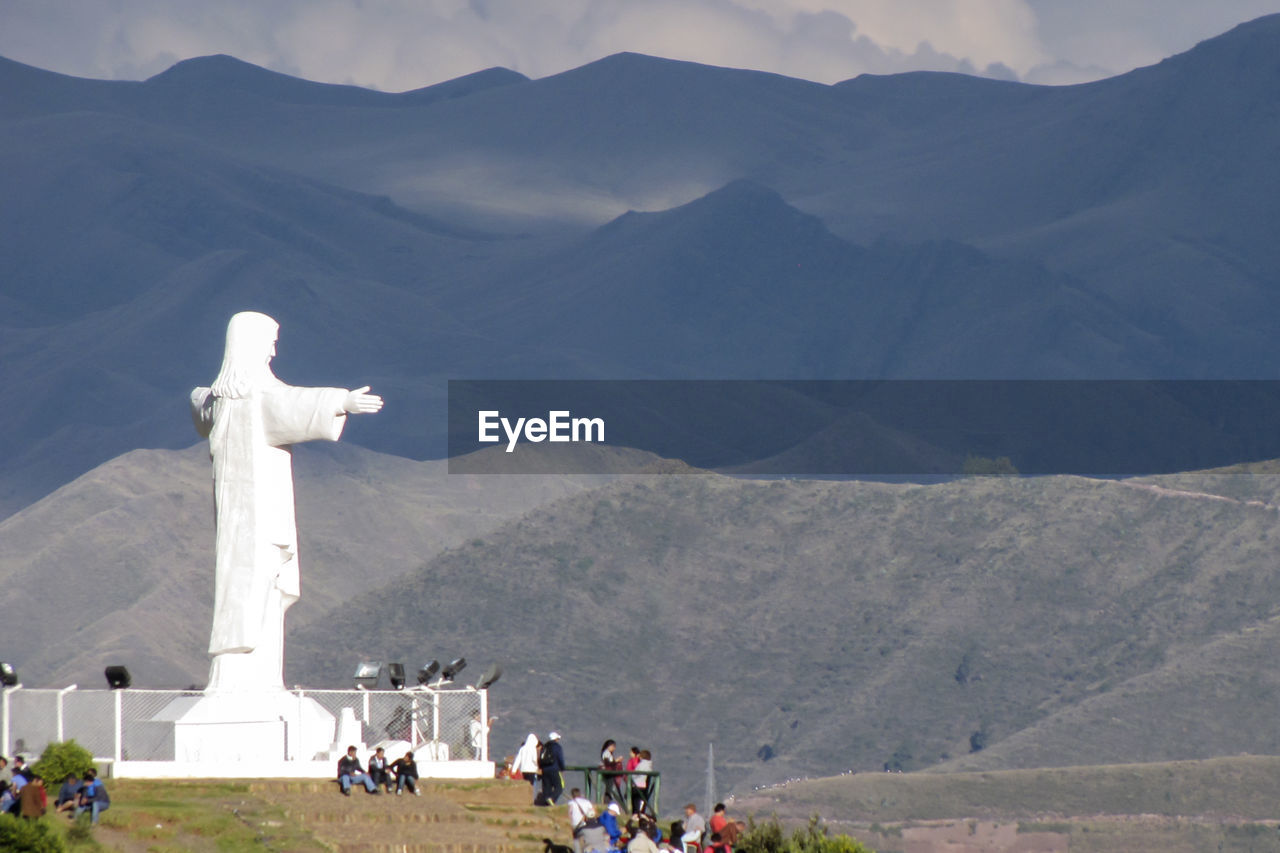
(403, 44)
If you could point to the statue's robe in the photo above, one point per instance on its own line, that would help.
(256, 546)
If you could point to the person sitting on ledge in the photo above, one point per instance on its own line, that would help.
(406, 770)
(380, 770)
(350, 770)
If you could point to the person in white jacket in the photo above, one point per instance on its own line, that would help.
(526, 762)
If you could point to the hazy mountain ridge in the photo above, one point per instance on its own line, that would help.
(850, 625)
(1122, 229)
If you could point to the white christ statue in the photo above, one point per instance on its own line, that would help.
(251, 418)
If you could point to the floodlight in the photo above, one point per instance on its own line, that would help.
(395, 672)
(8, 675)
(117, 677)
(427, 671)
(451, 669)
(367, 674)
(491, 675)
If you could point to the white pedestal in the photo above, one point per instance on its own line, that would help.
(248, 727)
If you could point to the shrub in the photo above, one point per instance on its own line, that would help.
(768, 838)
(28, 836)
(985, 466)
(59, 759)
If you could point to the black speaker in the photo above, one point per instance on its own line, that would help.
(117, 677)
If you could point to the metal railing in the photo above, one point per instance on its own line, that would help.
(601, 786)
(445, 723)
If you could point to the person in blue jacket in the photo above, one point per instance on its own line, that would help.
(550, 766)
(93, 796)
(609, 820)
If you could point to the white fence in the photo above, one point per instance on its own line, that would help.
(447, 724)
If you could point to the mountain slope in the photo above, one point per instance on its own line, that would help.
(811, 627)
(117, 566)
(741, 284)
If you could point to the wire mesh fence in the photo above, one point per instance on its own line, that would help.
(443, 724)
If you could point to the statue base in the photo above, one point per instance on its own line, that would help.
(248, 727)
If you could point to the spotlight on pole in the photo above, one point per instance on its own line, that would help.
(395, 672)
(8, 675)
(118, 677)
(452, 668)
(491, 675)
(428, 671)
(367, 674)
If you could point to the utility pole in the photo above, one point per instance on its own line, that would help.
(711, 778)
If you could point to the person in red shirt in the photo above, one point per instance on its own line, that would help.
(718, 819)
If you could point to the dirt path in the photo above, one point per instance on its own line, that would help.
(1164, 491)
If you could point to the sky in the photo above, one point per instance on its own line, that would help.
(394, 45)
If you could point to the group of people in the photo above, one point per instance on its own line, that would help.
(641, 834)
(381, 773)
(541, 762)
(23, 793)
(627, 779)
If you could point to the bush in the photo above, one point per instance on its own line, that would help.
(985, 466)
(28, 836)
(59, 759)
(768, 838)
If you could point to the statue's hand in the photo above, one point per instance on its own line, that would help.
(360, 403)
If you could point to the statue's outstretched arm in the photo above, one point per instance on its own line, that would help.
(359, 402)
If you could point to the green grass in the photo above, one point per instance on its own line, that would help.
(198, 816)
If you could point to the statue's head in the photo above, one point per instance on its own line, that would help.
(246, 362)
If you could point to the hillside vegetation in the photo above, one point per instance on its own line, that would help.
(117, 566)
(813, 627)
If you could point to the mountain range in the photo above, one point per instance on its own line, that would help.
(919, 225)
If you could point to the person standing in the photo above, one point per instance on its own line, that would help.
(611, 770)
(640, 783)
(480, 735)
(525, 765)
(551, 765)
